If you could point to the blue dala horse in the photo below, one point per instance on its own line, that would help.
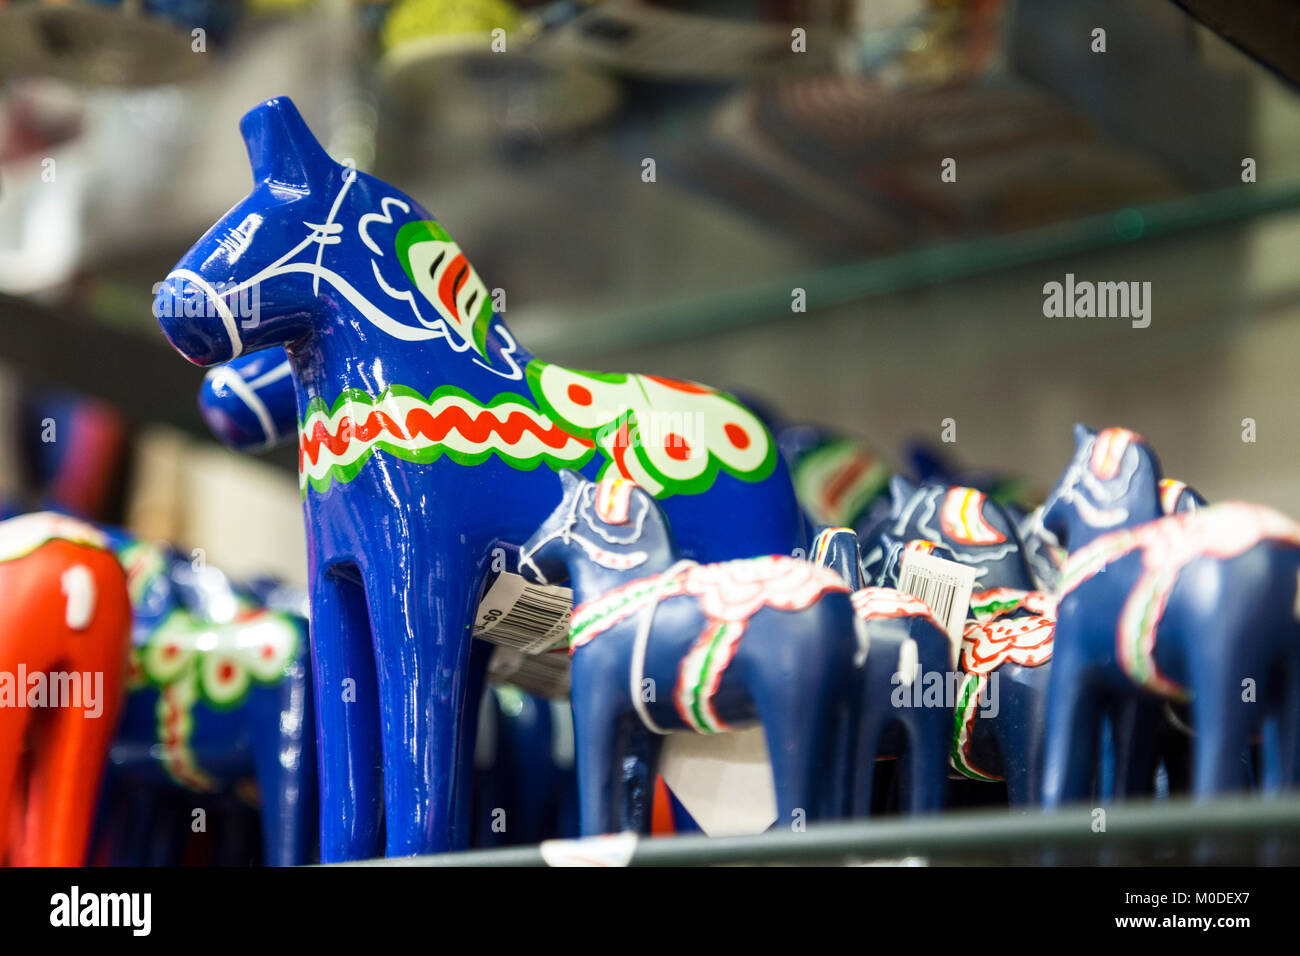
(908, 651)
(767, 640)
(1198, 606)
(427, 437)
(992, 723)
(219, 694)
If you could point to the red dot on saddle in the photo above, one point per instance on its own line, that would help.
(579, 395)
(226, 672)
(170, 651)
(676, 447)
(737, 436)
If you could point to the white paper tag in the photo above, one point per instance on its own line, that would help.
(945, 586)
(615, 849)
(542, 675)
(527, 617)
(723, 780)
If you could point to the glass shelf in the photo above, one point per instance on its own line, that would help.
(1237, 830)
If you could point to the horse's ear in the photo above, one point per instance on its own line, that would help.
(281, 149)
(1082, 435)
(901, 490)
(570, 481)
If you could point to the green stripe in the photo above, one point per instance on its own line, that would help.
(697, 692)
(969, 690)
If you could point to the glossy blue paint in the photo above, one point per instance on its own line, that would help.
(249, 403)
(311, 260)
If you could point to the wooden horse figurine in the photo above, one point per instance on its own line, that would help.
(427, 437)
(1197, 606)
(907, 649)
(660, 645)
(66, 629)
(220, 694)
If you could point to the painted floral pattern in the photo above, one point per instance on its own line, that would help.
(191, 661)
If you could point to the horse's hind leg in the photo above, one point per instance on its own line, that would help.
(1222, 724)
(929, 730)
(796, 699)
(1134, 721)
(1288, 774)
(13, 723)
(598, 689)
(64, 785)
(1073, 723)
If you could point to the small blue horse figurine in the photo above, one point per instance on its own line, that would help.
(1198, 606)
(219, 693)
(427, 437)
(768, 640)
(908, 652)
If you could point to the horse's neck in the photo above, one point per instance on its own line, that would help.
(1136, 514)
(590, 581)
(372, 359)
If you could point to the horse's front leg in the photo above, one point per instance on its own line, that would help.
(599, 691)
(1073, 723)
(347, 717)
(422, 602)
(282, 727)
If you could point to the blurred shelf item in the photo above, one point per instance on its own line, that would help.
(111, 42)
(704, 42)
(1236, 830)
(1266, 29)
(693, 316)
(477, 70)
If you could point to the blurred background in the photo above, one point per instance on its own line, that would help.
(797, 153)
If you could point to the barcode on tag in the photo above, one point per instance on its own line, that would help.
(527, 617)
(945, 586)
(543, 675)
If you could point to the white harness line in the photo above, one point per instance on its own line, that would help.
(636, 672)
